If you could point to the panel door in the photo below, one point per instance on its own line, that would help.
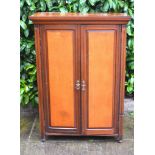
(99, 61)
(62, 71)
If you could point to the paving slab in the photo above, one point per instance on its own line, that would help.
(79, 148)
(128, 105)
(26, 122)
(58, 145)
(128, 126)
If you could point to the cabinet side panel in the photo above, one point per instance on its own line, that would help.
(39, 80)
(101, 73)
(61, 78)
(122, 82)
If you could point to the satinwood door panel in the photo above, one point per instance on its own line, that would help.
(63, 70)
(98, 63)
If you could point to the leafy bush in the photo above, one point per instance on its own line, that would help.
(28, 90)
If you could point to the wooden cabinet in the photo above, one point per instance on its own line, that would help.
(80, 73)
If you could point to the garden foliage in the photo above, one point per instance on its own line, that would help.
(28, 84)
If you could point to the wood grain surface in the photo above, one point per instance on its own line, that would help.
(101, 56)
(85, 47)
(60, 57)
(57, 16)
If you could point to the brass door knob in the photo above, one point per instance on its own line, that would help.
(83, 85)
(77, 85)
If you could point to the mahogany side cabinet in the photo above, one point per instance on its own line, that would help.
(80, 73)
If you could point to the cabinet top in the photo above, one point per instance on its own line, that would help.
(40, 17)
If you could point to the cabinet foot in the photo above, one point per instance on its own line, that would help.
(119, 139)
(43, 138)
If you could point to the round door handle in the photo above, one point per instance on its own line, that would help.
(83, 85)
(77, 85)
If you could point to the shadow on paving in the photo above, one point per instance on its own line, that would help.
(26, 122)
